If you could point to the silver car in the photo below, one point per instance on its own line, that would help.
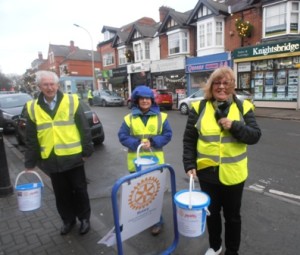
(184, 105)
(107, 98)
(10, 106)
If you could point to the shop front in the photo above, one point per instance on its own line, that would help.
(270, 72)
(138, 74)
(198, 69)
(169, 74)
(119, 81)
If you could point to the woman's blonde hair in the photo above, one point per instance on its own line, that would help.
(219, 74)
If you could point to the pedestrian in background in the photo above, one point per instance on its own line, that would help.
(58, 140)
(148, 126)
(215, 150)
(90, 96)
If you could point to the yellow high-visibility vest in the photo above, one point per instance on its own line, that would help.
(59, 133)
(216, 147)
(138, 129)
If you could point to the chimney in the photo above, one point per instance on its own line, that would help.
(72, 46)
(40, 55)
(163, 12)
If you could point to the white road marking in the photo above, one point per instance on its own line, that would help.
(280, 193)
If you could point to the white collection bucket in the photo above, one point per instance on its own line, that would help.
(144, 162)
(29, 194)
(191, 208)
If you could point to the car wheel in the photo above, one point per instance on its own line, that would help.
(129, 105)
(98, 140)
(104, 104)
(184, 109)
(20, 141)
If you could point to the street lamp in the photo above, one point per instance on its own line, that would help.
(92, 51)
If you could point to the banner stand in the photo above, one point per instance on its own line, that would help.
(116, 206)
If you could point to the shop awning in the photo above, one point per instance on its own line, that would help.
(118, 80)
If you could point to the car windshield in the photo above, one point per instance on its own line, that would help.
(110, 93)
(14, 101)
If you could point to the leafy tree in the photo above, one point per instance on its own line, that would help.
(5, 82)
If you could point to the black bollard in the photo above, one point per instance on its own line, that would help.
(5, 184)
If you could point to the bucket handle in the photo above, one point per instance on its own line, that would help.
(139, 148)
(191, 188)
(29, 172)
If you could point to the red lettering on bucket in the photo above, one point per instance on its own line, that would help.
(190, 216)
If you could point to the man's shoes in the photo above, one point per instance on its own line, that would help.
(84, 227)
(211, 251)
(67, 227)
(156, 229)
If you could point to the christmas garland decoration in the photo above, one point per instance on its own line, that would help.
(244, 28)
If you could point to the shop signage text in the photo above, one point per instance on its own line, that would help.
(264, 50)
(205, 67)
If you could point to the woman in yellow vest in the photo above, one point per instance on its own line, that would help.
(215, 150)
(145, 125)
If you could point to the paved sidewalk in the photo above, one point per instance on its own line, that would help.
(37, 232)
(286, 114)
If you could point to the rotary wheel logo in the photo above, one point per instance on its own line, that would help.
(144, 193)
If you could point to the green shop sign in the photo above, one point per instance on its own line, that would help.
(267, 49)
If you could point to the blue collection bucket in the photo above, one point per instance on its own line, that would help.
(29, 194)
(191, 211)
(144, 162)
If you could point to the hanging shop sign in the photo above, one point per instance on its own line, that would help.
(267, 49)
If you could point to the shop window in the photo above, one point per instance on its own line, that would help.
(244, 81)
(275, 80)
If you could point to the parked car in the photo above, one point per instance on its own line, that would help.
(162, 97)
(94, 122)
(185, 104)
(107, 98)
(11, 104)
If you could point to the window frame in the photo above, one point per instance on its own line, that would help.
(285, 13)
(178, 42)
(108, 59)
(216, 39)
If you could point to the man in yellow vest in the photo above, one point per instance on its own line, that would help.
(90, 97)
(148, 126)
(215, 150)
(58, 140)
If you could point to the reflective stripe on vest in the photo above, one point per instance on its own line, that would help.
(219, 148)
(141, 131)
(59, 133)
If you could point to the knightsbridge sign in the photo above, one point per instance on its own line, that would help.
(267, 49)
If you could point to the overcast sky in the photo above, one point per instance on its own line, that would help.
(29, 26)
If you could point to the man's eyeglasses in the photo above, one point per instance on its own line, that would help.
(46, 85)
(225, 83)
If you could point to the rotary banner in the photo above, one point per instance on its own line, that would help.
(141, 204)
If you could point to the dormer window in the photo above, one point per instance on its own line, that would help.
(137, 34)
(171, 23)
(108, 35)
(203, 11)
